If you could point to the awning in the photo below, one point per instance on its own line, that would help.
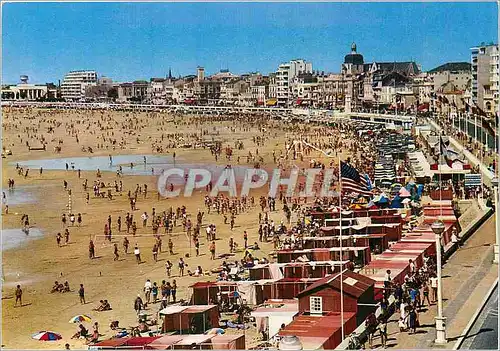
(271, 102)
(172, 309)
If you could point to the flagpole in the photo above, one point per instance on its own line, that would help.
(475, 128)
(341, 256)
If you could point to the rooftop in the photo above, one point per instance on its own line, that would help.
(452, 66)
(354, 284)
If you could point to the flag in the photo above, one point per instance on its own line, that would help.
(484, 123)
(479, 111)
(446, 153)
(487, 127)
(352, 181)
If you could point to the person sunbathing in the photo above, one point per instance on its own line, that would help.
(81, 333)
(66, 287)
(143, 327)
(101, 306)
(107, 306)
(57, 287)
(255, 246)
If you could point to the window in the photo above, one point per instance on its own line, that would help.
(316, 304)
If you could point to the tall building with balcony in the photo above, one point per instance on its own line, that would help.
(75, 84)
(483, 60)
(495, 76)
(284, 76)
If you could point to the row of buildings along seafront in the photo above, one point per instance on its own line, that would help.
(358, 86)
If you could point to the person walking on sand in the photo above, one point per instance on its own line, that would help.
(173, 291)
(125, 245)
(19, 296)
(154, 292)
(182, 265)
(168, 268)
(137, 254)
(81, 294)
(91, 250)
(138, 304)
(115, 251)
(155, 253)
(212, 250)
(66, 236)
(147, 290)
(170, 246)
(144, 219)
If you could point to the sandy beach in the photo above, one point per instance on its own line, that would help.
(35, 264)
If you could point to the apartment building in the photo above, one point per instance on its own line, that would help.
(75, 84)
(484, 60)
(285, 74)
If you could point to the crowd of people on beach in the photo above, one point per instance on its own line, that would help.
(280, 220)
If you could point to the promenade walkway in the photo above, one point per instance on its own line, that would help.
(467, 275)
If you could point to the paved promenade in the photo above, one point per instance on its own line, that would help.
(484, 332)
(467, 275)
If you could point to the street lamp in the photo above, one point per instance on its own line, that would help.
(438, 229)
(496, 202)
(290, 343)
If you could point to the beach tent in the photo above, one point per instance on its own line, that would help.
(396, 202)
(420, 190)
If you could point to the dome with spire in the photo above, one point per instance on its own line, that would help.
(354, 58)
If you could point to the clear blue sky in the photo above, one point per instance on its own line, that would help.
(128, 41)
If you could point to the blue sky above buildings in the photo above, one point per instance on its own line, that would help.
(128, 41)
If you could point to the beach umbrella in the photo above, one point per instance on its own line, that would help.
(404, 192)
(80, 318)
(46, 336)
(361, 200)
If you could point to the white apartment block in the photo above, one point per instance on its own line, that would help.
(495, 75)
(75, 83)
(483, 59)
(284, 76)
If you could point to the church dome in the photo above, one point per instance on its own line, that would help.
(354, 58)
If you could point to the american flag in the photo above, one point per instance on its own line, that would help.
(352, 181)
